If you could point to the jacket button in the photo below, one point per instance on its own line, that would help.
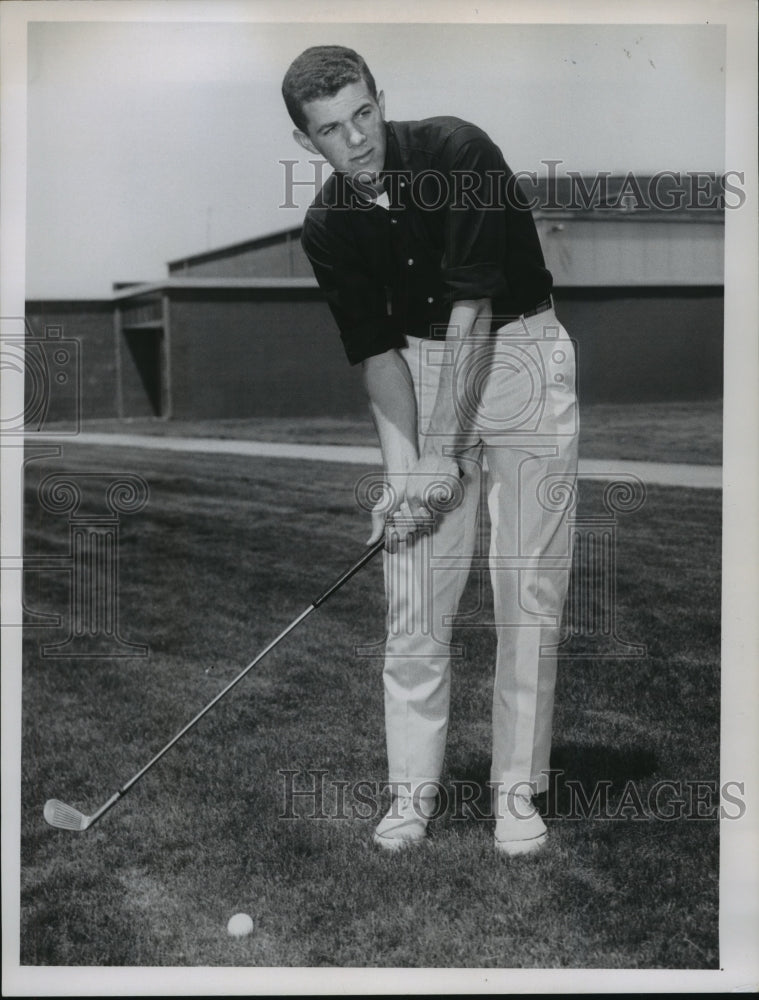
(410, 261)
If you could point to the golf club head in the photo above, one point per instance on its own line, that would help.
(65, 817)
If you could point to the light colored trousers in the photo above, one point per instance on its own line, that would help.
(518, 385)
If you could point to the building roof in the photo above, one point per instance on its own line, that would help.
(233, 249)
(213, 284)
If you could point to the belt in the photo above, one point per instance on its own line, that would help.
(543, 306)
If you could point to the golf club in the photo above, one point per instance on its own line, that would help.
(65, 817)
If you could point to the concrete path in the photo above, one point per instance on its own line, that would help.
(655, 473)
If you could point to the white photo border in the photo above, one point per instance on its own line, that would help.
(739, 855)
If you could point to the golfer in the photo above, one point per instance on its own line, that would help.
(430, 261)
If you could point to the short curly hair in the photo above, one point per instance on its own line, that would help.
(321, 71)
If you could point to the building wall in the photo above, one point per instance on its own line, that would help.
(650, 252)
(636, 345)
(278, 353)
(258, 357)
(89, 387)
(582, 249)
(274, 358)
(640, 292)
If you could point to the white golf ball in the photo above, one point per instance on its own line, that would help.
(239, 925)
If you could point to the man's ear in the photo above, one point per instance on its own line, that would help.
(302, 139)
(381, 102)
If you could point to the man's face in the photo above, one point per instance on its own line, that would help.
(348, 130)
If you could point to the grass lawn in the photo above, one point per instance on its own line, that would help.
(654, 432)
(227, 552)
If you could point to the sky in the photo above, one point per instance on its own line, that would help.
(150, 141)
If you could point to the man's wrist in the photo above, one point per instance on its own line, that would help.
(400, 463)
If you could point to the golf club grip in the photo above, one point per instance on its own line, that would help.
(370, 553)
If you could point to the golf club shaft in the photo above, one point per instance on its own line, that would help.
(367, 555)
(370, 553)
(304, 614)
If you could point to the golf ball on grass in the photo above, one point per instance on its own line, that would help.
(239, 925)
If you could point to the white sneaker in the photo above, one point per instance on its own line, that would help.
(519, 828)
(405, 822)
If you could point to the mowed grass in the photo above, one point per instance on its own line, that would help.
(227, 552)
(680, 431)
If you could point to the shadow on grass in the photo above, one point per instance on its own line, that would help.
(592, 764)
(575, 770)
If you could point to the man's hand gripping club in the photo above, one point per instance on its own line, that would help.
(412, 501)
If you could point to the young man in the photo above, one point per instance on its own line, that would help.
(431, 264)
